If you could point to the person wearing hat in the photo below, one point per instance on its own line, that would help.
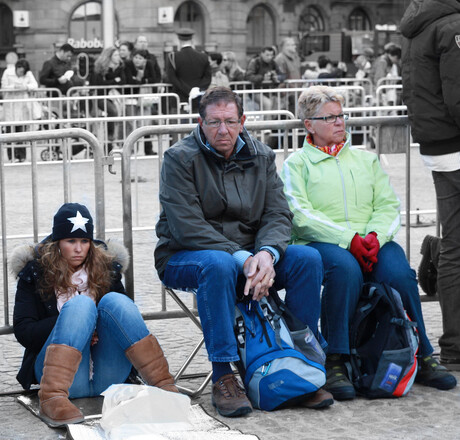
(188, 70)
(80, 330)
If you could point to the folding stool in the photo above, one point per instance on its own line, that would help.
(191, 313)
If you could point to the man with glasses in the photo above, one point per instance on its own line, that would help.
(224, 231)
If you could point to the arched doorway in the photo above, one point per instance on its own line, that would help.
(313, 38)
(6, 34)
(261, 29)
(190, 15)
(358, 20)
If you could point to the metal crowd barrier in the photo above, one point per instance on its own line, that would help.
(388, 93)
(91, 113)
(388, 81)
(333, 82)
(33, 137)
(84, 108)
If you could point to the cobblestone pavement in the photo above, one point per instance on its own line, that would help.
(424, 413)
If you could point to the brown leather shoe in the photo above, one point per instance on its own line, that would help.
(321, 399)
(229, 397)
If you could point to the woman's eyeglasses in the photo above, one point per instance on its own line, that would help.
(330, 119)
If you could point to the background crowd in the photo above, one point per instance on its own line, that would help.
(130, 68)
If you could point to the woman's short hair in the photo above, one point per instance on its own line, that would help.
(126, 43)
(24, 64)
(142, 52)
(216, 56)
(229, 55)
(313, 98)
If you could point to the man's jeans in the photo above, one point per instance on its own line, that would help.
(447, 185)
(119, 325)
(343, 281)
(214, 275)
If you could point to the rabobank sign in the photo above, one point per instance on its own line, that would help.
(95, 43)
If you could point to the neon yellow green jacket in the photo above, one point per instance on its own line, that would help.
(333, 198)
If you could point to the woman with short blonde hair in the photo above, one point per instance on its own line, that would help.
(345, 207)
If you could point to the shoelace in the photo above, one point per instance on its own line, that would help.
(431, 363)
(234, 385)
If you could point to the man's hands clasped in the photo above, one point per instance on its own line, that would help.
(260, 275)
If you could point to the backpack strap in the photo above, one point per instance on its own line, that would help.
(403, 322)
(263, 322)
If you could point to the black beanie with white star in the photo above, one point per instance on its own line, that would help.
(72, 221)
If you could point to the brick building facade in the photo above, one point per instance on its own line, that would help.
(33, 28)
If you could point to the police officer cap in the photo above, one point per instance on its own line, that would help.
(185, 33)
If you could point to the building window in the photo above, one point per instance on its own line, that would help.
(86, 26)
(311, 20)
(6, 26)
(359, 20)
(190, 15)
(261, 29)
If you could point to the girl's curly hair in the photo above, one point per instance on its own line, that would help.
(57, 274)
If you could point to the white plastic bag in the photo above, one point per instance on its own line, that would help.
(135, 412)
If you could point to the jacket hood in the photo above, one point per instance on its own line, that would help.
(25, 253)
(421, 13)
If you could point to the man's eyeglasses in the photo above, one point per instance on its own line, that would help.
(330, 119)
(229, 123)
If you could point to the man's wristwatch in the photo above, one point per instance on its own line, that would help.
(271, 253)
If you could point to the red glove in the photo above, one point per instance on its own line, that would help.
(365, 257)
(372, 245)
(359, 250)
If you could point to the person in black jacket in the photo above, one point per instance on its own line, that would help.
(431, 91)
(142, 70)
(58, 71)
(82, 333)
(188, 69)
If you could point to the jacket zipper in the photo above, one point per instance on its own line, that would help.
(344, 192)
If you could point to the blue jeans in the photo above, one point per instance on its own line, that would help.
(119, 325)
(448, 285)
(214, 275)
(343, 281)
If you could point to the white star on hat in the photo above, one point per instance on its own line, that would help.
(78, 222)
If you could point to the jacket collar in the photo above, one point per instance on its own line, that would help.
(248, 151)
(316, 155)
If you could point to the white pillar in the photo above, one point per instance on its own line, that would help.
(108, 22)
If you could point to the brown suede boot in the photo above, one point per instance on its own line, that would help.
(148, 359)
(61, 364)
